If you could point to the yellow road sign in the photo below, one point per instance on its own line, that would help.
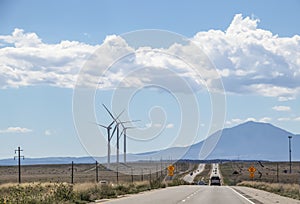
(171, 168)
(171, 173)
(251, 169)
(251, 174)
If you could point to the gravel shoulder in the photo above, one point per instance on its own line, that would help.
(260, 196)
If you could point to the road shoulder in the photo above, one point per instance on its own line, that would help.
(260, 196)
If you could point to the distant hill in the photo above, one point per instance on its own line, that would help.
(247, 141)
(48, 160)
(252, 141)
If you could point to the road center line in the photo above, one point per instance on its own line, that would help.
(241, 195)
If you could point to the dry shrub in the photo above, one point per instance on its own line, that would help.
(288, 190)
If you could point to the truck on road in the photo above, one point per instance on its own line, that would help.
(215, 181)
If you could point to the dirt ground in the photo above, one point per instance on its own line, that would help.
(273, 172)
(138, 171)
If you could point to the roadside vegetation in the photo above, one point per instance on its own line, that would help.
(77, 193)
(288, 190)
(273, 177)
(270, 172)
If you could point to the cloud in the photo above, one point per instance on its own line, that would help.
(156, 125)
(48, 132)
(281, 108)
(15, 130)
(289, 119)
(249, 59)
(236, 121)
(170, 125)
(284, 119)
(27, 61)
(282, 98)
(265, 120)
(253, 60)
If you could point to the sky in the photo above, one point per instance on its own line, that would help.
(49, 52)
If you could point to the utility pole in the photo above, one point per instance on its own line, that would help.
(150, 176)
(277, 175)
(131, 175)
(117, 174)
(156, 171)
(142, 175)
(72, 173)
(97, 179)
(19, 161)
(290, 153)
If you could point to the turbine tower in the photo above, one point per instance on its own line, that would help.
(109, 136)
(124, 133)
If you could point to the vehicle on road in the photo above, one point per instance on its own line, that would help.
(215, 181)
(201, 183)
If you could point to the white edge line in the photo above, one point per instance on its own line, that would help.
(241, 195)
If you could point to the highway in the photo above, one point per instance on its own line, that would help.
(193, 194)
(215, 172)
(190, 176)
(186, 194)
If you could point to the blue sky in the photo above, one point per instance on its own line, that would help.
(43, 45)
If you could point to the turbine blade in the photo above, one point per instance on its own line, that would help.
(113, 132)
(102, 126)
(120, 114)
(111, 115)
(122, 132)
(111, 123)
(121, 123)
(99, 124)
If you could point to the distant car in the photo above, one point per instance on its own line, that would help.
(215, 181)
(201, 183)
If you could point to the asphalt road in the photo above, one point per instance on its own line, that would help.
(186, 194)
(191, 175)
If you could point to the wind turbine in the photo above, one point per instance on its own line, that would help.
(116, 128)
(118, 139)
(124, 132)
(109, 136)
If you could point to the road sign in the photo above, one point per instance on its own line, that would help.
(171, 169)
(171, 173)
(251, 169)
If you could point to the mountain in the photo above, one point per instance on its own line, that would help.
(48, 160)
(247, 141)
(251, 141)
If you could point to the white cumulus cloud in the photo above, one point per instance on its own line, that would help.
(281, 108)
(236, 121)
(15, 130)
(170, 125)
(249, 59)
(48, 132)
